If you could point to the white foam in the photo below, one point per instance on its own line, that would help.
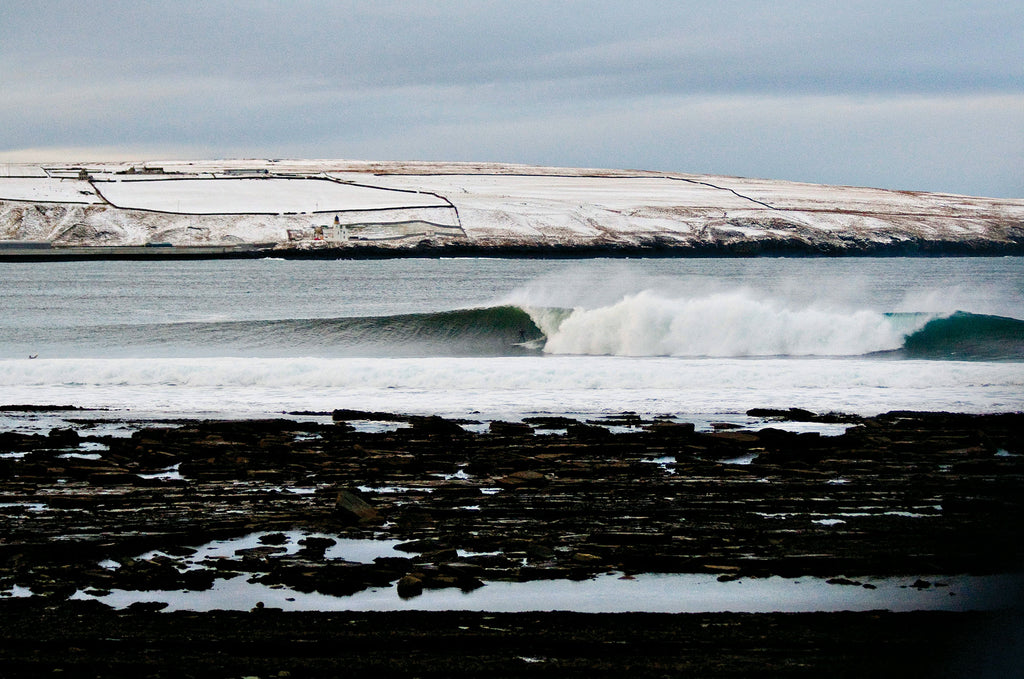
(735, 323)
(511, 386)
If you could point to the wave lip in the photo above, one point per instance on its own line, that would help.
(966, 336)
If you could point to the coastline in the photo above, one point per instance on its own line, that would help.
(429, 250)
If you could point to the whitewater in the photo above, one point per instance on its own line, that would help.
(503, 339)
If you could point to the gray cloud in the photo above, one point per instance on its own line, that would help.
(885, 93)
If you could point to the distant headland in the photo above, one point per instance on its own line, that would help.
(344, 208)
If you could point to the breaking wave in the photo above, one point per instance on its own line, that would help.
(738, 325)
(723, 325)
(645, 324)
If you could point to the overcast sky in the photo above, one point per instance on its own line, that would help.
(921, 95)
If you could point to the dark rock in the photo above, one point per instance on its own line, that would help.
(392, 567)
(672, 430)
(151, 574)
(198, 580)
(65, 438)
(629, 538)
(439, 556)
(32, 408)
(343, 415)
(260, 552)
(493, 561)
(314, 548)
(547, 422)
(791, 414)
(148, 606)
(354, 508)
(775, 439)
(624, 419)
(436, 426)
(273, 539)
(510, 428)
(740, 437)
(786, 447)
(538, 551)
(587, 432)
(470, 584)
(523, 478)
(59, 592)
(844, 581)
(110, 479)
(423, 545)
(461, 569)
(438, 581)
(410, 586)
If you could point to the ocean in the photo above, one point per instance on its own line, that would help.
(485, 339)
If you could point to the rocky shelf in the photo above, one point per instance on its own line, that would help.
(472, 504)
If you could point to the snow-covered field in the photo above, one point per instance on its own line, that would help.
(198, 202)
(46, 190)
(261, 196)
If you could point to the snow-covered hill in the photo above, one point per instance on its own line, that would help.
(403, 204)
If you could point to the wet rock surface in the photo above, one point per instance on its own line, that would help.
(548, 498)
